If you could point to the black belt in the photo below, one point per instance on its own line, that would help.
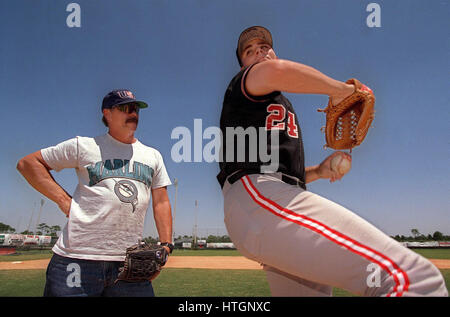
(284, 178)
(239, 174)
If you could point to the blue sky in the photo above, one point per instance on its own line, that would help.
(179, 57)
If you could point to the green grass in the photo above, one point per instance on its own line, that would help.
(443, 254)
(22, 282)
(46, 254)
(27, 255)
(176, 282)
(205, 252)
(204, 283)
(171, 283)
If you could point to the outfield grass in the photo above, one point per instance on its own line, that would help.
(46, 254)
(205, 252)
(27, 255)
(443, 254)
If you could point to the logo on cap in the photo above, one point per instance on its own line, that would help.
(120, 97)
(125, 94)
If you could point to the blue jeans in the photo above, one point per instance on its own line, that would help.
(75, 277)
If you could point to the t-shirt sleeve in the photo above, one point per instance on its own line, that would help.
(62, 155)
(160, 177)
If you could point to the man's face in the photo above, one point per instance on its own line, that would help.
(256, 51)
(123, 117)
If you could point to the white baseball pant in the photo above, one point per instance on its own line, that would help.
(308, 244)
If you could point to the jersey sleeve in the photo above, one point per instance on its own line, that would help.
(160, 177)
(239, 88)
(62, 155)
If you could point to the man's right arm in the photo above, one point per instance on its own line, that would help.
(37, 173)
(292, 77)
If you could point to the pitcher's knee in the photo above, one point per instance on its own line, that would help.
(422, 278)
(426, 280)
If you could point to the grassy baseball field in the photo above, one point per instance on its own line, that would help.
(174, 281)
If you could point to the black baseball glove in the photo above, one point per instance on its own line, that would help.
(142, 262)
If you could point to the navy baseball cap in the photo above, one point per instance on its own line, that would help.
(120, 97)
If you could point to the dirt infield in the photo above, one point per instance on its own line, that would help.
(195, 262)
(441, 264)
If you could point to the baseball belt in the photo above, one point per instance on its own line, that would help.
(288, 179)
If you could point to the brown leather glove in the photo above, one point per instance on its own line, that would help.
(348, 122)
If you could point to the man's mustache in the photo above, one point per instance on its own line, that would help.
(132, 120)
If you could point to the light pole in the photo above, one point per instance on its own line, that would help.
(39, 216)
(175, 183)
(195, 225)
(31, 218)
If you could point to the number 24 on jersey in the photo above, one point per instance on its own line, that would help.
(275, 120)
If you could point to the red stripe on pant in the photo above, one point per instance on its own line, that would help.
(249, 187)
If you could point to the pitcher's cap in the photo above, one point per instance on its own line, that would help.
(250, 34)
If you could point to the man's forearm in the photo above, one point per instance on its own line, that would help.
(39, 177)
(163, 221)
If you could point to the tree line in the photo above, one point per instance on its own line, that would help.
(209, 239)
(41, 229)
(419, 237)
(44, 229)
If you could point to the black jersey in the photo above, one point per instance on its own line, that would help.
(263, 114)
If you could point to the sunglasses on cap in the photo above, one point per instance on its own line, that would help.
(128, 108)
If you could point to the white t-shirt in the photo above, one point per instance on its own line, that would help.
(113, 193)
